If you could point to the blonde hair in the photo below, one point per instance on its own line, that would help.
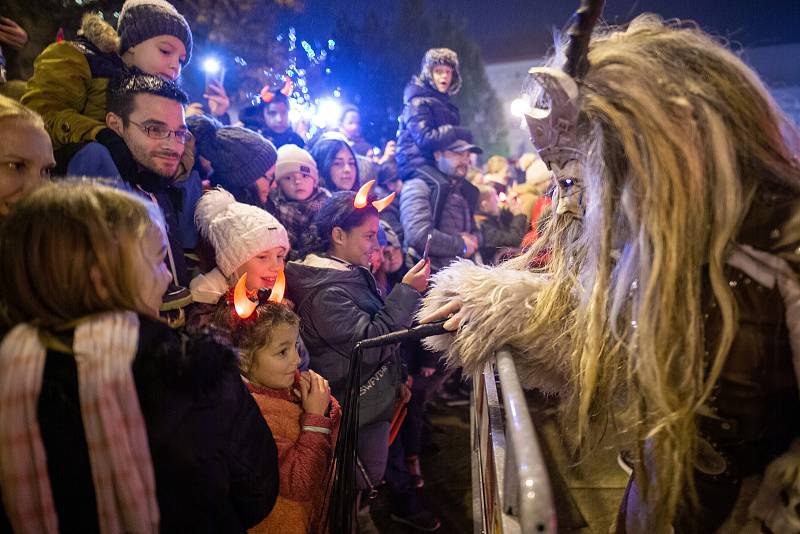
(11, 109)
(56, 237)
(496, 164)
(679, 134)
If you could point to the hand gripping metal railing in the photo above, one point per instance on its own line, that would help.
(511, 490)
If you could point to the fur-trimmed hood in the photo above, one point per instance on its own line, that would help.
(99, 32)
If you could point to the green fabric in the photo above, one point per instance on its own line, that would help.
(63, 92)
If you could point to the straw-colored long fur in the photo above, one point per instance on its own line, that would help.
(677, 134)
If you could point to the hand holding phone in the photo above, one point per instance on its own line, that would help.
(427, 248)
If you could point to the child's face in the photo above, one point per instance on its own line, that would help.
(263, 268)
(153, 274)
(297, 186)
(491, 204)
(274, 364)
(442, 77)
(162, 56)
(356, 245)
(392, 259)
(343, 170)
(276, 116)
(351, 124)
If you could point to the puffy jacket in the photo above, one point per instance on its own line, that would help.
(339, 305)
(68, 86)
(430, 122)
(434, 204)
(214, 458)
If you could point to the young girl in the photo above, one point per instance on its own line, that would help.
(245, 239)
(336, 162)
(109, 419)
(302, 414)
(339, 305)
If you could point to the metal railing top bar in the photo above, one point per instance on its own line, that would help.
(532, 493)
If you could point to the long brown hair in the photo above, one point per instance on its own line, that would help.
(678, 134)
(54, 239)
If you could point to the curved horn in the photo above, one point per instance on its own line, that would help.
(361, 197)
(276, 295)
(383, 203)
(580, 31)
(241, 302)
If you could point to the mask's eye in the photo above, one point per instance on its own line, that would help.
(566, 183)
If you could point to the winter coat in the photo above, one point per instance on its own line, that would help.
(432, 203)
(501, 231)
(214, 458)
(155, 188)
(755, 405)
(304, 460)
(296, 215)
(288, 137)
(429, 122)
(68, 86)
(339, 305)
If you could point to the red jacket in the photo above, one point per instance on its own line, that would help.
(304, 460)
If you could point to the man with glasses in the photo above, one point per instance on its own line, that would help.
(146, 136)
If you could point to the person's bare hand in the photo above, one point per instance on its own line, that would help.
(427, 371)
(12, 34)
(218, 101)
(452, 311)
(472, 244)
(514, 205)
(405, 393)
(389, 152)
(417, 277)
(194, 109)
(315, 393)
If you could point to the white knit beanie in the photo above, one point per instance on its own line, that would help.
(292, 158)
(237, 231)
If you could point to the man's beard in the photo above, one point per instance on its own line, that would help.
(146, 158)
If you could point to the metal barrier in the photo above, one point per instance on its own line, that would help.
(510, 486)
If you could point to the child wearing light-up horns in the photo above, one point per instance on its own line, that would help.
(245, 239)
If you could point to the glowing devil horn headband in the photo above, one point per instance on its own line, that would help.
(363, 194)
(553, 117)
(242, 303)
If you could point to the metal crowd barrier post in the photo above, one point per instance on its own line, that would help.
(510, 486)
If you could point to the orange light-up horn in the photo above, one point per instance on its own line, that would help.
(383, 203)
(241, 302)
(278, 289)
(362, 195)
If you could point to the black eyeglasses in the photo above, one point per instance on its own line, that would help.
(158, 131)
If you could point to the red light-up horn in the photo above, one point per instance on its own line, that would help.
(361, 197)
(241, 302)
(383, 203)
(278, 289)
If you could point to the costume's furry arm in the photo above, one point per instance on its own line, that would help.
(497, 305)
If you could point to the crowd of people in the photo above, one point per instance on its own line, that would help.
(182, 294)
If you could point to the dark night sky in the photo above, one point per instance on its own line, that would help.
(516, 29)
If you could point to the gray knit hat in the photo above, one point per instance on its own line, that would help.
(441, 56)
(141, 20)
(239, 156)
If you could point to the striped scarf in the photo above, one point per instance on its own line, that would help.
(122, 472)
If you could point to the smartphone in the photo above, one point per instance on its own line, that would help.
(214, 76)
(427, 248)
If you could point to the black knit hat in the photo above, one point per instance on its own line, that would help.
(141, 20)
(239, 156)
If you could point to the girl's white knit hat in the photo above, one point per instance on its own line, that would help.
(237, 231)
